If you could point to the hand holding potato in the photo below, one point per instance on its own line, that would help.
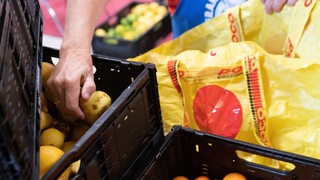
(95, 106)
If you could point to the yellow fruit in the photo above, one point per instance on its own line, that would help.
(67, 145)
(52, 137)
(49, 155)
(162, 10)
(180, 178)
(100, 32)
(140, 9)
(141, 28)
(45, 120)
(44, 103)
(153, 6)
(202, 178)
(129, 35)
(47, 69)
(234, 176)
(98, 103)
(75, 167)
(66, 174)
(78, 131)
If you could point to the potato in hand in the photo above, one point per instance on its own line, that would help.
(93, 108)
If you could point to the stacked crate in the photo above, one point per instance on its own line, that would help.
(20, 56)
(127, 141)
(119, 143)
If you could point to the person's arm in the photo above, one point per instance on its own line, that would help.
(272, 6)
(172, 5)
(73, 76)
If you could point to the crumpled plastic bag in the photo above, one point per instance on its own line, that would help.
(204, 77)
(240, 91)
(247, 22)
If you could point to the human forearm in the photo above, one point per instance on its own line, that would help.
(81, 18)
(73, 76)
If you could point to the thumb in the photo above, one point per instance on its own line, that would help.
(291, 2)
(88, 87)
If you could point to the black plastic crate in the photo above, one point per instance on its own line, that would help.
(129, 128)
(128, 49)
(2, 5)
(19, 93)
(192, 153)
(4, 26)
(26, 16)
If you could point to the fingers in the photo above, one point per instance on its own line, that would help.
(272, 6)
(72, 94)
(72, 78)
(67, 103)
(277, 5)
(268, 6)
(291, 2)
(88, 87)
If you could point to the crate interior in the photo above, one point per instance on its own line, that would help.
(111, 75)
(126, 129)
(191, 154)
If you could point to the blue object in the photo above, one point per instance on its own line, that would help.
(191, 13)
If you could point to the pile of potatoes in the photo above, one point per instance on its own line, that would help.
(57, 136)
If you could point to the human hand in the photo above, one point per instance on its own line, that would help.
(72, 79)
(272, 6)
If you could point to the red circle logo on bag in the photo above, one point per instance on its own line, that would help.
(217, 111)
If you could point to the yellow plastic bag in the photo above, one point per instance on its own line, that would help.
(240, 91)
(247, 22)
(286, 105)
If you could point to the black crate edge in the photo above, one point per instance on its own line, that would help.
(218, 154)
(91, 145)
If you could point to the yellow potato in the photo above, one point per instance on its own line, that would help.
(75, 166)
(47, 69)
(45, 120)
(66, 174)
(98, 103)
(67, 145)
(49, 155)
(52, 137)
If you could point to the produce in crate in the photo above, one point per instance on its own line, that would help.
(48, 156)
(52, 137)
(180, 178)
(57, 136)
(230, 176)
(47, 69)
(45, 120)
(234, 176)
(67, 145)
(98, 102)
(141, 18)
(203, 177)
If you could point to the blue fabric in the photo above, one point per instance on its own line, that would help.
(191, 13)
